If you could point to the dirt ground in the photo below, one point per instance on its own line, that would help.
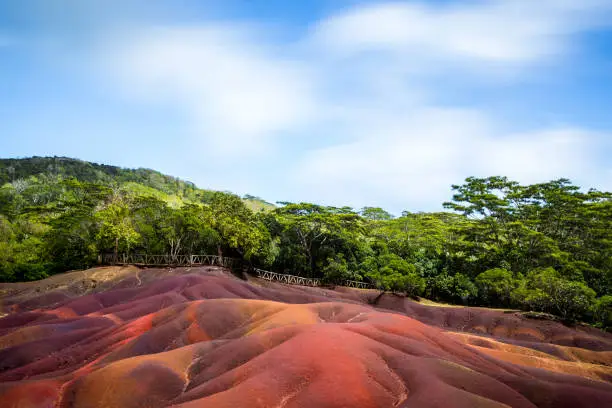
(201, 337)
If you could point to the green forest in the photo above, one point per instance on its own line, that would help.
(543, 247)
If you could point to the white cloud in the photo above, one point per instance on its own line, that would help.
(410, 164)
(498, 31)
(237, 93)
(537, 155)
(358, 77)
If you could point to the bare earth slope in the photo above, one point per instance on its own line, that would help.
(124, 337)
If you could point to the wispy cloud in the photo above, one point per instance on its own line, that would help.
(413, 160)
(360, 88)
(237, 92)
(499, 31)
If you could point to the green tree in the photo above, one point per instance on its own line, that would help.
(495, 286)
(375, 214)
(337, 270)
(602, 312)
(464, 289)
(116, 228)
(239, 228)
(391, 272)
(309, 234)
(548, 292)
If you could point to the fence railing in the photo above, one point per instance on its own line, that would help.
(284, 278)
(215, 260)
(358, 284)
(168, 260)
(301, 280)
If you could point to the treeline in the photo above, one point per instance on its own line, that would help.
(544, 247)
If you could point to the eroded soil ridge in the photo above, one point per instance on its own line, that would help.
(124, 337)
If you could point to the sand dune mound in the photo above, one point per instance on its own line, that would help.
(202, 338)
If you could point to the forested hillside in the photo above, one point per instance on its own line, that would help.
(544, 247)
(145, 181)
(16, 169)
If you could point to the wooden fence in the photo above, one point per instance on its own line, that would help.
(168, 260)
(300, 280)
(214, 260)
(358, 284)
(284, 278)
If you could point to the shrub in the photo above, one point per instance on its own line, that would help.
(495, 286)
(602, 312)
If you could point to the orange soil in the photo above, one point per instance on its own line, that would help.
(201, 338)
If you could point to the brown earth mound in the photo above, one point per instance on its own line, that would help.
(124, 337)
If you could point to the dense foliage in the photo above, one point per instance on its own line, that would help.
(543, 247)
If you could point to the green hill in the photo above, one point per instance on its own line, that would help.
(141, 181)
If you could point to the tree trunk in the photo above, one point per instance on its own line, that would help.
(116, 252)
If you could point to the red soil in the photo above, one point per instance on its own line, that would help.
(201, 338)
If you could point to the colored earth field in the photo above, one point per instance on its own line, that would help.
(201, 337)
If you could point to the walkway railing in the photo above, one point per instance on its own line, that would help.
(284, 278)
(168, 260)
(300, 280)
(358, 284)
(215, 260)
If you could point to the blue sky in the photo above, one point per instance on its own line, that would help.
(337, 102)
